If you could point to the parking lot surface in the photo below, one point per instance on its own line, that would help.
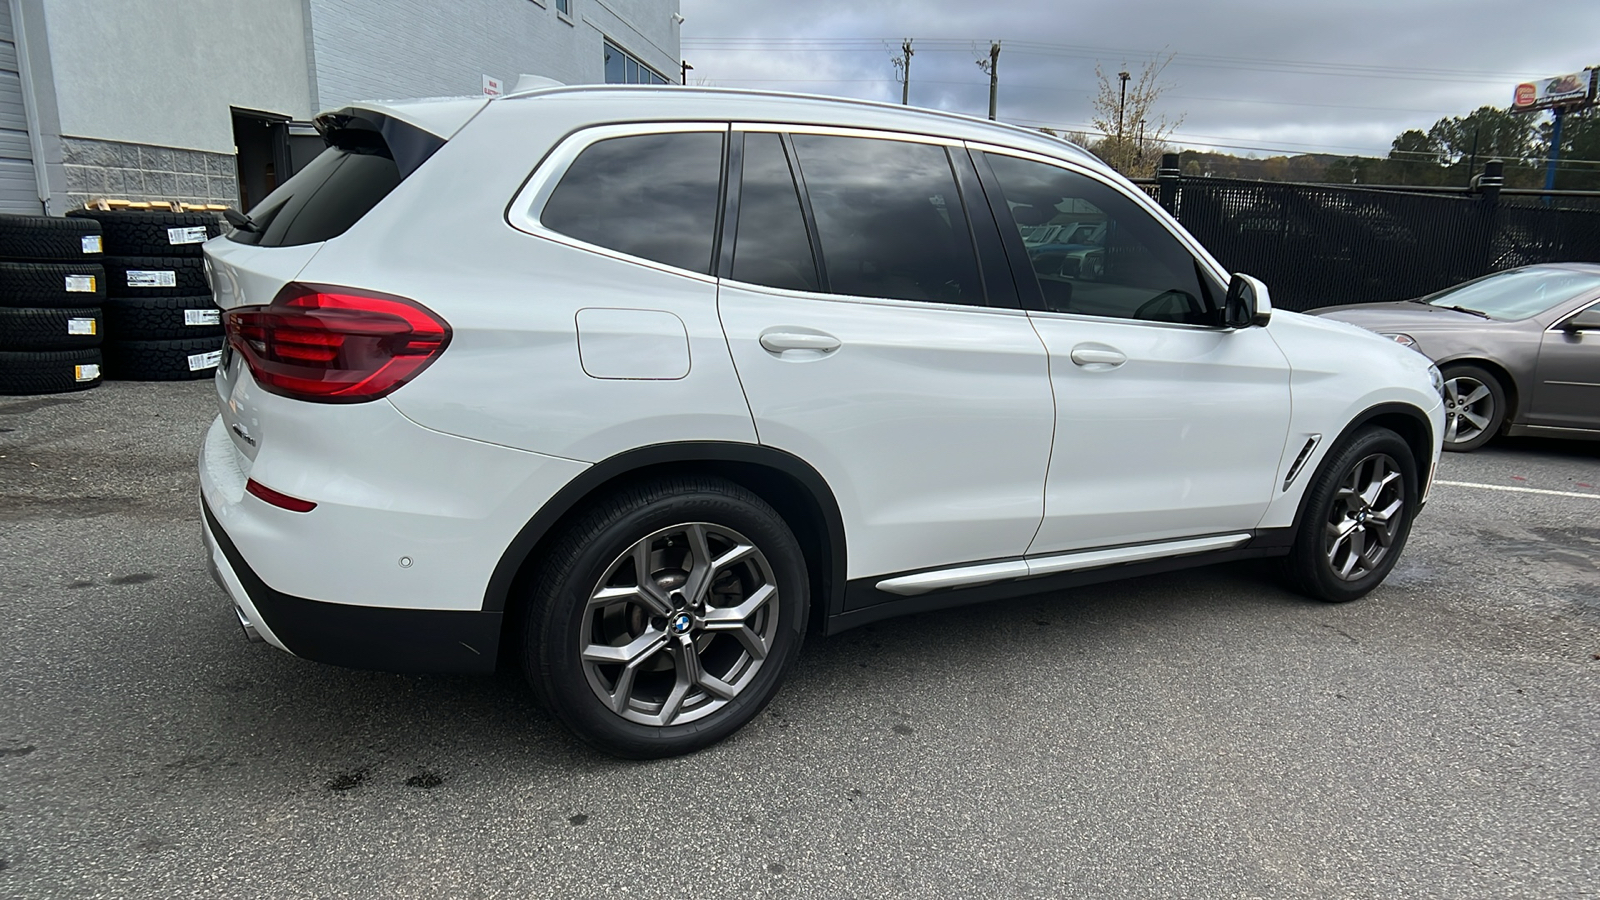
(1200, 734)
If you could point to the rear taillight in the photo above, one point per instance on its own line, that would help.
(292, 504)
(335, 345)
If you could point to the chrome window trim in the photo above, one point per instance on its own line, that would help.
(1560, 323)
(527, 206)
(909, 137)
(1140, 198)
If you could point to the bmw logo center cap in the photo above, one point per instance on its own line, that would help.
(681, 623)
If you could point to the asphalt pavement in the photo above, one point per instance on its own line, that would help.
(1201, 734)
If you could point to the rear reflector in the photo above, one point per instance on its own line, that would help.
(335, 345)
(284, 501)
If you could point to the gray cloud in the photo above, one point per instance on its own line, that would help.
(1340, 76)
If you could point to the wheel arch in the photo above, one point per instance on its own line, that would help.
(1508, 383)
(1410, 422)
(792, 487)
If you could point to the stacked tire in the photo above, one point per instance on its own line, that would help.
(161, 321)
(52, 291)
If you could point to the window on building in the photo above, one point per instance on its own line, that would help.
(564, 7)
(651, 195)
(623, 67)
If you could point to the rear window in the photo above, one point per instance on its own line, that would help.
(368, 155)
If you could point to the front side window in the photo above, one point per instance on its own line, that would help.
(1095, 252)
(889, 219)
(653, 196)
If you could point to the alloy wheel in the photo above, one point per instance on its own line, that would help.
(1468, 409)
(680, 624)
(1365, 517)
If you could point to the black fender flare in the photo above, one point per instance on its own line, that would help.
(679, 454)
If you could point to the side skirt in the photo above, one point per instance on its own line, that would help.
(866, 604)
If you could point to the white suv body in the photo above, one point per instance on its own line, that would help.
(816, 314)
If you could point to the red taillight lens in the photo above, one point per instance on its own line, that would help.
(333, 345)
(292, 504)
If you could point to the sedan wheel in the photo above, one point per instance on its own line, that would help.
(666, 616)
(1474, 407)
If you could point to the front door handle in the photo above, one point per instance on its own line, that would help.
(1098, 356)
(779, 341)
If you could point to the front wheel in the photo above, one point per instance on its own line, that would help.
(1357, 517)
(666, 617)
(1475, 406)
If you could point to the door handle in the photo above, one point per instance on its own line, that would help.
(1098, 356)
(779, 341)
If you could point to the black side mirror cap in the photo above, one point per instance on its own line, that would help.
(1248, 303)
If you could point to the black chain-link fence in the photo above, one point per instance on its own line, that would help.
(1321, 245)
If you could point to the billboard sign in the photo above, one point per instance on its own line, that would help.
(1562, 90)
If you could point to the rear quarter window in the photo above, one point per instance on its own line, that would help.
(653, 196)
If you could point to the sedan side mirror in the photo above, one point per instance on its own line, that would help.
(1588, 320)
(1248, 303)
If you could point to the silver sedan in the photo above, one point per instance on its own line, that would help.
(1519, 349)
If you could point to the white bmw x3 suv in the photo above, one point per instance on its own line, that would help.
(633, 384)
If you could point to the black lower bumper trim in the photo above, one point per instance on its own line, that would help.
(368, 637)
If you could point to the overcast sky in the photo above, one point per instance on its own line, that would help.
(1334, 76)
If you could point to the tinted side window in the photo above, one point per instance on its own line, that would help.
(652, 195)
(1095, 252)
(889, 219)
(772, 247)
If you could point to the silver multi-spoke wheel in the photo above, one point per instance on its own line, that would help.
(1367, 509)
(1468, 409)
(679, 624)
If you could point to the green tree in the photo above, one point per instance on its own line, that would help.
(1133, 134)
(1414, 158)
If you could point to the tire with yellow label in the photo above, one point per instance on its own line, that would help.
(48, 372)
(49, 239)
(51, 329)
(52, 285)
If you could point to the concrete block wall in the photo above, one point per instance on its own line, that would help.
(112, 169)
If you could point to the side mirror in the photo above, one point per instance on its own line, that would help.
(1588, 320)
(1248, 303)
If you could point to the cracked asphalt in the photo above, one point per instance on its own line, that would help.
(1200, 734)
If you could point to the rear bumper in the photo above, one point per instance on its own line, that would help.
(358, 637)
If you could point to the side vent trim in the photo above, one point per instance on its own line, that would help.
(1300, 461)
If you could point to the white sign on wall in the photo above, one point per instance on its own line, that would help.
(492, 87)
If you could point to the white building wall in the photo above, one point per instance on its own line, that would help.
(386, 49)
(165, 72)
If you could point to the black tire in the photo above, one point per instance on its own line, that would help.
(51, 329)
(49, 372)
(51, 285)
(1311, 565)
(1460, 375)
(138, 232)
(162, 360)
(46, 238)
(162, 318)
(155, 276)
(598, 541)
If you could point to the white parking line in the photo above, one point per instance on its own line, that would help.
(1519, 490)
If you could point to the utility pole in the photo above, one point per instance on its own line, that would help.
(1121, 102)
(686, 68)
(902, 64)
(992, 67)
(1141, 140)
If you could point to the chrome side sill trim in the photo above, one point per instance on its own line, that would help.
(1010, 570)
(965, 576)
(1089, 559)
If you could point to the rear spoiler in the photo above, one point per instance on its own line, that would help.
(365, 130)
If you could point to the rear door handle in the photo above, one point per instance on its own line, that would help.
(779, 341)
(1098, 356)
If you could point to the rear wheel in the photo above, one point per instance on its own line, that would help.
(1474, 407)
(1357, 518)
(666, 617)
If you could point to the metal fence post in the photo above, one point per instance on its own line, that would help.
(1490, 182)
(1168, 177)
